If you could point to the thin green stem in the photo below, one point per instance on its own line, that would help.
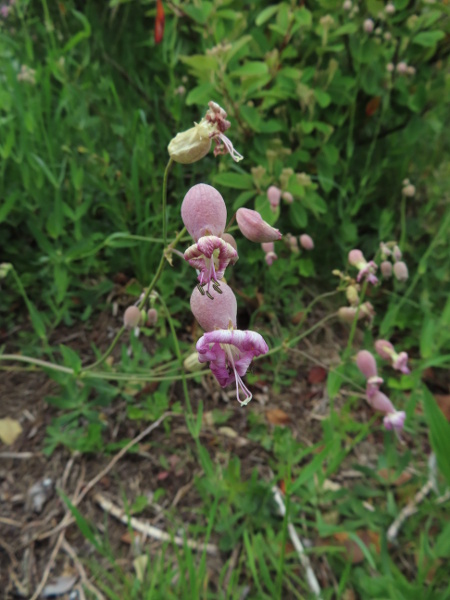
(403, 222)
(355, 321)
(164, 200)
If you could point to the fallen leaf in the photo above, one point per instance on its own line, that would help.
(352, 549)
(389, 476)
(443, 401)
(10, 429)
(297, 318)
(228, 432)
(276, 416)
(317, 375)
(140, 566)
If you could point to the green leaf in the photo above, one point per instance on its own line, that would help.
(200, 94)
(265, 15)
(7, 206)
(262, 205)
(323, 99)
(70, 358)
(242, 199)
(251, 69)
(199, 14)
(81, 35)
(238, 181)
(298, 215)
(439, 432)
(36, 320)
(251, 116)
(334, 383)
(428, 38)
(52, 179)
(427, 337)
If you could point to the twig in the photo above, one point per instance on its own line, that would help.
(81, 572)
(68, 519)
(49, 566)
(149, 530)
(17, 455)
(310, 575)
(408, 511)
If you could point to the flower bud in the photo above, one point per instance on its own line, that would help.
(390, 67)
(368, 25)
(273, 195)
(254, 228)
(411, 70)
(347, 5)
(402, 68)
(132, 317)
(386, 269)
(409, 191)
(389, 8)
(396, 253)
(366, 363)
(352, 295)
(270, 258)
(381, 402)
(388, 37)
(288, 197)
(152, 316)
(356, 257)
(268, 247)
(291, 241)
(191, 363)
(215, 313)
(401, 271)
(306, 241)
(384, 349)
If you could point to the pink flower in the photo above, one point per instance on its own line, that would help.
(366, 269)
(348, 313)
(217, 117)
(402, 68)
(306, 241)
(397, 253)
(387, 351)
(393, 419)
(401, 271)
(219, 311)
(203, 211)
(211, 255)
(132, 317)
(152, 316)
(254, 228)
(291, 241)
(229, 353)
(274, 196)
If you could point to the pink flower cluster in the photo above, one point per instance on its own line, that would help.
(366, 363)
(366, 269)
(399, 267)
(228, 350)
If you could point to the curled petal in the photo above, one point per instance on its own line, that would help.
(211, 255)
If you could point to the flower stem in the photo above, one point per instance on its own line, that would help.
(355, 321)
(164, 200)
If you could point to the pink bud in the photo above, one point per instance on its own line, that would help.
(203, 211)
(389, 8)
(292, 243)
(397, 253)
(132, 317)
(356, 257)
(268, 247)
(402, 68)
(368, 25)
(409, 190)
(270, 258)
(366, 363)
(390, 67)
(401, 271)
(152, 316)
(216, 313)
(306, 241)
(254, 228)
(386, 269)
(274, 195)
(288, 197)
(384, 349)
(381, 402)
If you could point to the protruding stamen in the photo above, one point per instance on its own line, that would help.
(209, 295)
(200, 289)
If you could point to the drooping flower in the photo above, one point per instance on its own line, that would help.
(269, 249)
(152, 316)
(386, 350)
(254, 228)
(348, 313)
(365, 362)
(211, 255)
(229, 353)
(366, 269)
(192, 145)
(205, 215)
(228, 350)
(132, 317)
(368, 25)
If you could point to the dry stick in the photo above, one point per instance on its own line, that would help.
(81, 571)
(408, 511)
(68, 519)
(49, 566)
(310, 575)
(149, 530)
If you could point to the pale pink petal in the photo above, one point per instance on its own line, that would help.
(254, 228)
(203, 211)
(217, 312)
(366, 363)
